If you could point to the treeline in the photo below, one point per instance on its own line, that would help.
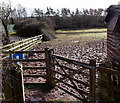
(79, 21)
(64, 18)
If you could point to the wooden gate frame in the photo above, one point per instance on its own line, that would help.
(92, 71)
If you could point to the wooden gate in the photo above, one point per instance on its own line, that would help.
(76, 78)
(81, 81)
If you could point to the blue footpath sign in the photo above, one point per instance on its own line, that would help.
(18, 56)
(21, 56)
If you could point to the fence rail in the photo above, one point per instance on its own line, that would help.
(23, 45)
(20, 45)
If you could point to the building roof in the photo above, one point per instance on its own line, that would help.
(113, 10)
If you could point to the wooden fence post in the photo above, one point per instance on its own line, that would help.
(14, 89)
(18, 86)
(52, 62)
(93, 81)
(48, 66)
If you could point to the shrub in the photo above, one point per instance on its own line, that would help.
(33, 27)
(48, 34)
(22, 23)
(31, 30)
(18, 25)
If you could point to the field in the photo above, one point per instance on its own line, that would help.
(82, 30)
(81, 47)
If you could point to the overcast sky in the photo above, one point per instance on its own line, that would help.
(72, 4)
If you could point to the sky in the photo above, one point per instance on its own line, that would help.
(71, 4)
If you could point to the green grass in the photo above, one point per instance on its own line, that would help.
(84, 30)
(88, 37)
(12, 34)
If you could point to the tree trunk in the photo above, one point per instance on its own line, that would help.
(5, 36)
(6, 79)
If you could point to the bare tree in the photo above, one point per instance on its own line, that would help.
(21, 11)
(5, 13)
(38, 12)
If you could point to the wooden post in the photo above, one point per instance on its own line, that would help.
(7, 87)
(93, 81)
(104, 85)
(48, 66)
(14, 89)
(18, 85)
(52, 61)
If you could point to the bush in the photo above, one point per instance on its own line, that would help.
(33, 27)
(18, 25)
(48, 34)
(22, 23)
(31, 30)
